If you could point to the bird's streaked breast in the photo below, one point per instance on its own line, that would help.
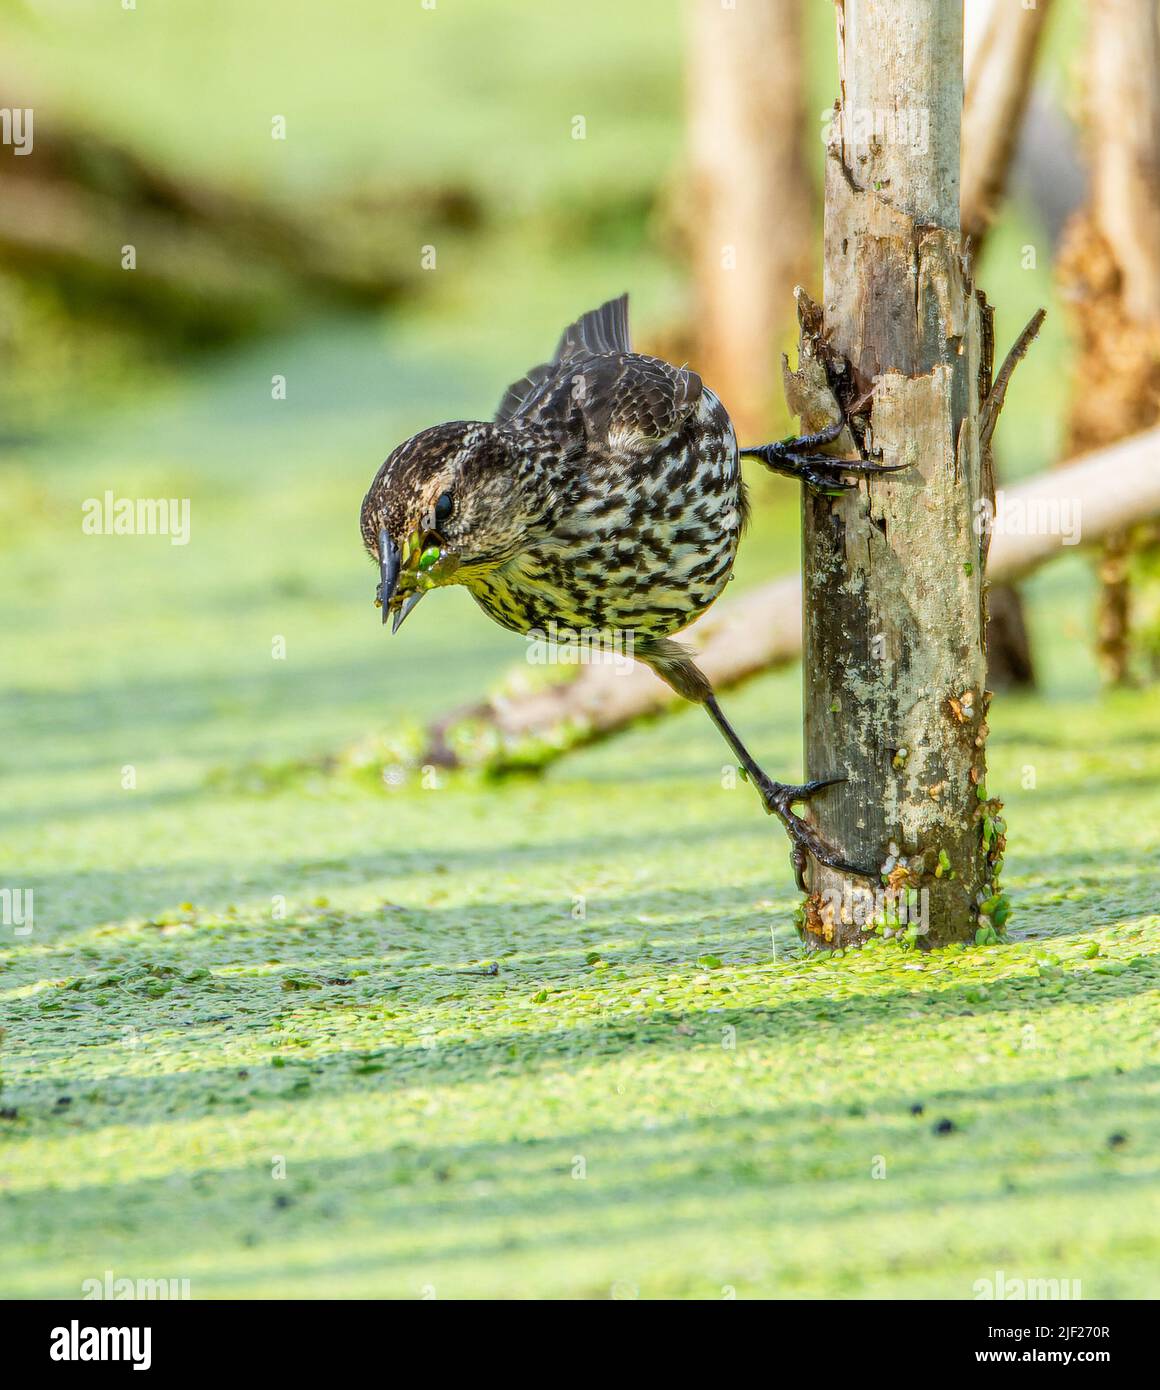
(644, 542)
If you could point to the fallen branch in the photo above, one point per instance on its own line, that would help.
(741, 637)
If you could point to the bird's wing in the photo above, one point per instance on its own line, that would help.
(597, 387)
(627, 403)
(603, 330)
(622, 403)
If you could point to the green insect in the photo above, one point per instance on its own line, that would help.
(429, 557)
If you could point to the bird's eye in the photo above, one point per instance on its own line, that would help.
(443, 508)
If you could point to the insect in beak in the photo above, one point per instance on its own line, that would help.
(407, 574)
(405, 607)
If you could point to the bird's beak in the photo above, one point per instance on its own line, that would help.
(405, 607)
(390, 562)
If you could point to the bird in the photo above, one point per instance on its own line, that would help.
(606, 495)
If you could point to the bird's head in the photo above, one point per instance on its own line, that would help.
(449, 504)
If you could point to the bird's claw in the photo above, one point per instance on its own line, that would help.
(816, 476)
(797, 458)
(778, 799)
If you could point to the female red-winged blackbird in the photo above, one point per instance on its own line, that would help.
(607, 495)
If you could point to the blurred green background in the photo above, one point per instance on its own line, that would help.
(253, 955)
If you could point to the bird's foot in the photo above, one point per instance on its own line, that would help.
(796, 458)
(779, 799)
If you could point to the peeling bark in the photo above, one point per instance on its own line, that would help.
(894, 659)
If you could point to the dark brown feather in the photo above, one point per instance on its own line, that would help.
(603, 330)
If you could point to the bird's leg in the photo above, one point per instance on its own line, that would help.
(676, 667)
(778, 799)
(795, 457)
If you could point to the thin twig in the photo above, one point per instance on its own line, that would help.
(998, 392)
